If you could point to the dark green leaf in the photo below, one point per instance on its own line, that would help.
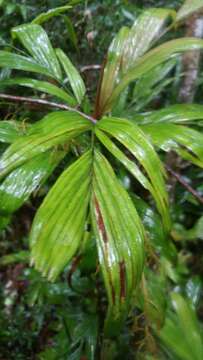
(45, 16)
(156, 236)
(4, 222)
(19, 257)
(71, 32)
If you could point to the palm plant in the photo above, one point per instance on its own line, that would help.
(88, 197)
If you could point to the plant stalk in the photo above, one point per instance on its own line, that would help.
(46, 103)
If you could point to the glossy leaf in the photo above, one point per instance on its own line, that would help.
(135, 141)
(194, 288)
(120, 155)
(23, 63)
(35, 40)
(112, 73)
(188, 8)
(186, 113)
(43, 86)
(127, 47)
(54, 129)
(145, 31)
(59, 224)
(45, 16)
(119, 235)
(54, 242)
(21, 182)
(152, 59)
(181, 333)
(76, 82)
(9, 131)
(149, 86)
(186, 141)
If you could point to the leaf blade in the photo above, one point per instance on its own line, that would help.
(178, 138)
(128, 46)
(54, 129)
(150, 60)
(43, 86)
(35, 40)
(121, 261)
(54, 243)
(45, 16)
(132, 137)
(20, 183)
(130, 165)
(178, 114)
(144, 32)
(23, 63)
(188, 8)
(9, 131)
(73, 75)
(181, 332)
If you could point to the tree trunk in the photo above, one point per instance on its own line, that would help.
(191, 60)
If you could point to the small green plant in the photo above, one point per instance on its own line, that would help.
(88, 197)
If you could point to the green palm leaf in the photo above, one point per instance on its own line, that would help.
(188, 8)
(35, 40)
(112, 73)
(179, 113)
(129, 164)
(23, 63)
(181, 332)
(9, 131)
(150, 60)
(56, 128)
(119, 238)
(23, 181)
(134, 140)
(128, 46)
(119, 235)
(76, 82)
(43, 86)
(45, 16)
(59, 224)
(187, 142)
(145, 31)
